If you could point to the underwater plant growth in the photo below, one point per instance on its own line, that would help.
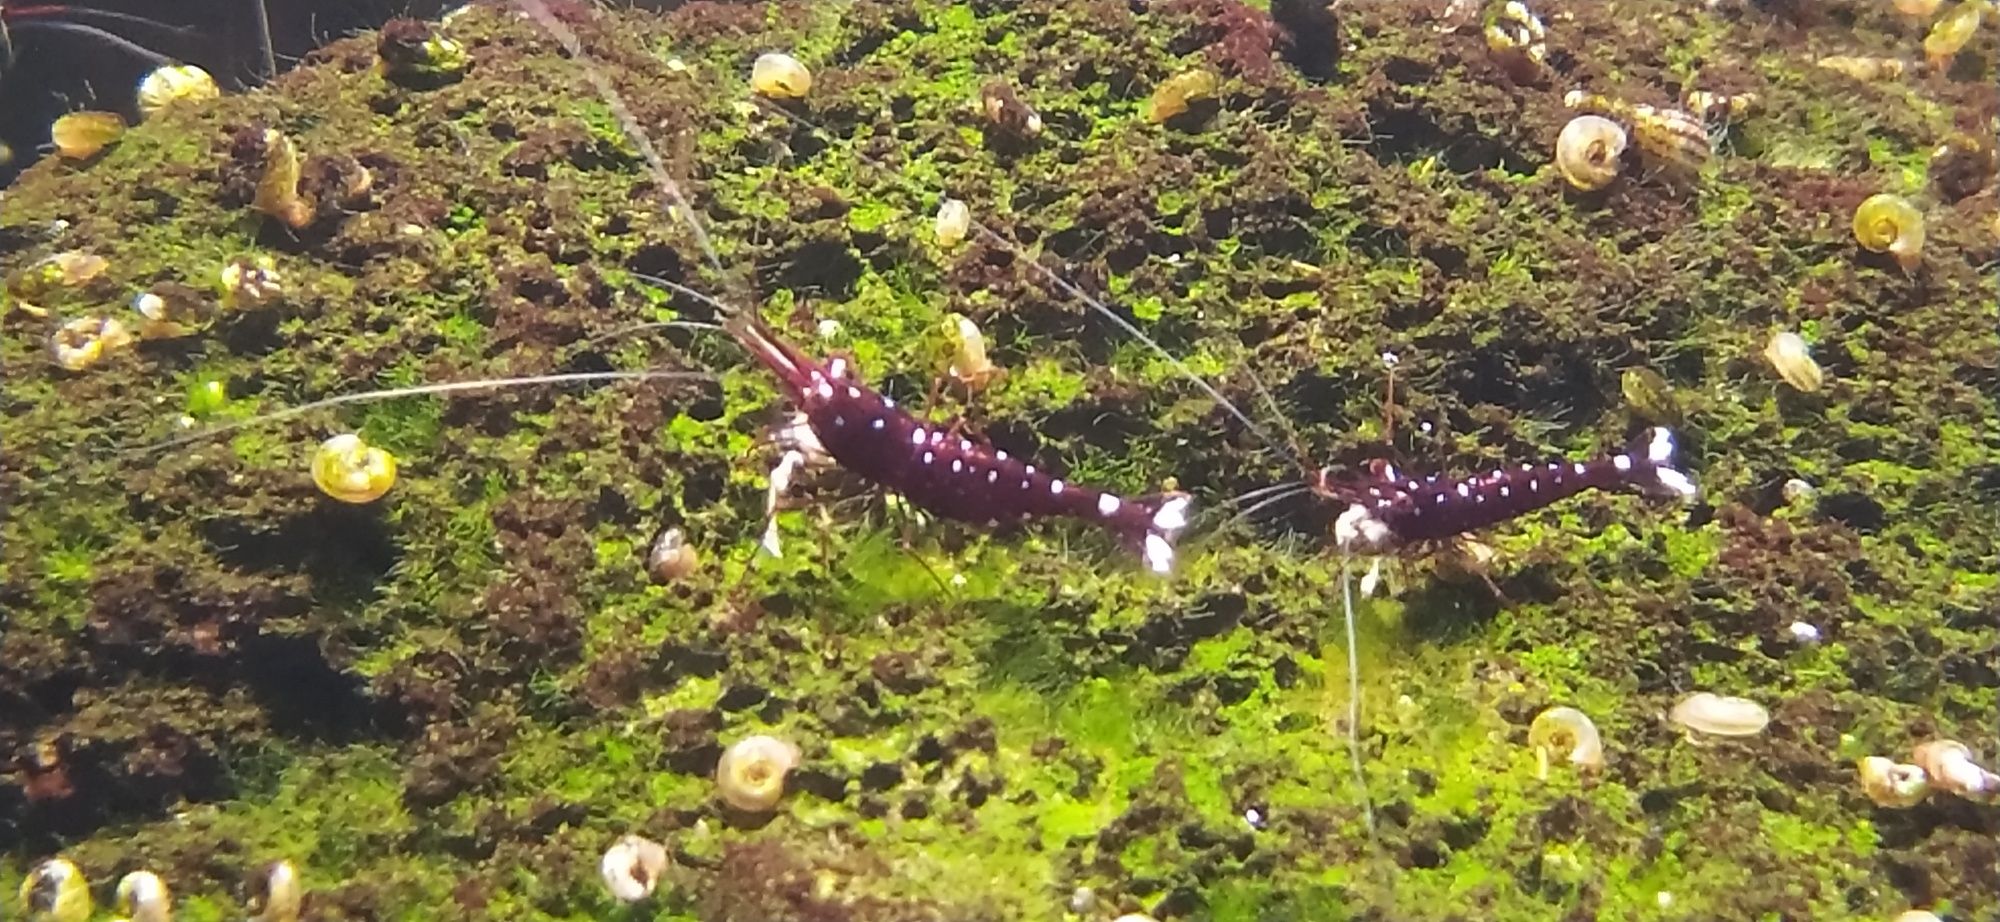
(498, 690)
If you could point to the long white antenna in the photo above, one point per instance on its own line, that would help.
(1354, 690)
(627, 122)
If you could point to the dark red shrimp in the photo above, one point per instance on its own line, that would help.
(957, 477)
(1395, 511)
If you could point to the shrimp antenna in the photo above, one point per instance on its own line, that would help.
(1354, 690)
(717, 304)
(449, 387)
(1053, 277)
(633, 131)
(85, 30)
(626, 122)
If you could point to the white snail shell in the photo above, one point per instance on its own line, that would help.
(1950, 767)
(1716, 715)
(632, 867)
(1589, 151)
(143, 897)
(751, 773)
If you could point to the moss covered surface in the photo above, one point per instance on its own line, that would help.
(447, 703)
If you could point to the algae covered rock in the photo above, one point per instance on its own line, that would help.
(447, 700)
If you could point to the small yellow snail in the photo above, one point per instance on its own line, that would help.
(249, 282)
(275, 894)
(1864, 69)
(1716, 715)
(1950, 767)
(632, 867)
(1178, 93)
(1569, 734)
(1950, 33)
(1650, 397)
(1589, 150)
(969, 365)
(353, 471)
(1519, 42)
(143, 897)
(1917, 9)
(1892, 784)
(780, 76)
(672, 559)
(82, 343)
(954, 221)
(55, 891)
(751, 773)
(80, 135)
(278, 185)
(175, 84)
(1787, 352)
(1889, 224)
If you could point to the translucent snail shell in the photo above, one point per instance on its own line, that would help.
(143, 897)
(1567, 733)
(352, 471)
(632, 867)
(1889, 224)
(751, 774)
(780, 76)
(1893, 784)
(1589, 150)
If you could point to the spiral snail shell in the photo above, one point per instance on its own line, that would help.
(353, 471)
(1589, 151)
(751, 774)
(1889, 224)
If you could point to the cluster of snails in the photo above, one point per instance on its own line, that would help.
(56, 891)
(750, 777)
(1937, 765)
(1590, 151)
(168, 310)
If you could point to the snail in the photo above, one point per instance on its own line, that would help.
(352, 471)
(780, 76)
(672, 559)
(81, 343)
(1589, 150)
(632, 867)
(1951, 33)
(1892, 784)
(143, 897)
(174, 84)
(1950, 767)
(278, 183)
(80, 135)
(1175, 95)
(249, 282)
(751, 773)
(1568, 733)
(55, 891)
(954, 221)
(1886, 223)
(275, 894)
(969, 365)
(1787, 352)
(1717, 715)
